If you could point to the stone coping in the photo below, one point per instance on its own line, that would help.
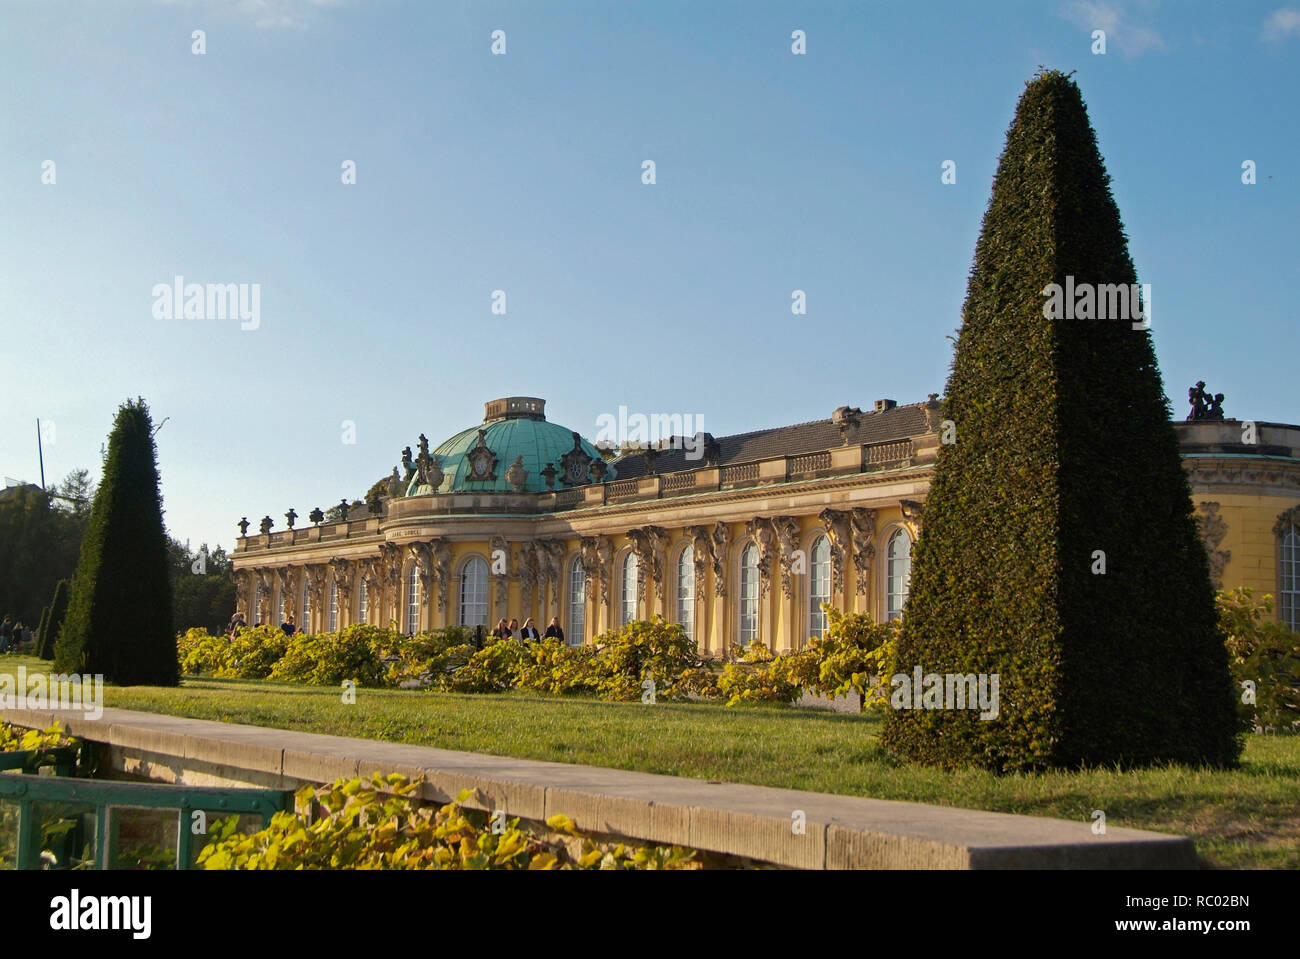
(754, 822)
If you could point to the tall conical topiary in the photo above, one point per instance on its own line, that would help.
(1058, 549)
(58, 611)
(119, 620)
(40, 629)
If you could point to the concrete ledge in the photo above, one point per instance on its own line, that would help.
(785, 827)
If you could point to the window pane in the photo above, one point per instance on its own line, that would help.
(819, 586)
(577, 604)
(474, 593)
(899, 570)
(686, 591)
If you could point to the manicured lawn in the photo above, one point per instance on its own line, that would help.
(1246, 818)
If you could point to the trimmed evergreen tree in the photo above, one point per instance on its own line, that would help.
(58, 610)
(119, 619)
(1065, 464)
(40, 628)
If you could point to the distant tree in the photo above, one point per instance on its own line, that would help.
(120, 618)
(203, 593)
(40, 629)
(53, 622)
(76, 494)
(39, 544)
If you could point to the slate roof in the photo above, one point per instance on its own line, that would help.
(811, 437)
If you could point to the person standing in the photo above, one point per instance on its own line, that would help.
(554, 631)
(514, 629)
(6, 634)
(502, 631)
(530, 632)
(288, 626)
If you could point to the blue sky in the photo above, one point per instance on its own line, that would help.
(523, 173)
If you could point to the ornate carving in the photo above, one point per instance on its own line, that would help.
(482, 461)
(721, 540)
(316, 576)
(760, 530)
(839, 533)
(931, 409)
(1286, 520)
(1204, 406)
(408, 466)
(517, 476)
(287, 579)
(291, 516)
(648, 543)
(422, 555)
(527, 571)
(912, 511)
(575, 464)
(430, 469)
(845, 417)
(863, 522)
(242, 579)
(267, 523)
(549, 475)
(317, 516)
(500, 547)
(702, 551)
(605, 555)
(394, 484)
(441, 550)
(344, 570)
(786, 529)
(390, 571)
(1213, 528)
(243, 526)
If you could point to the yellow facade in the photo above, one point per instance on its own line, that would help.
(767, 537)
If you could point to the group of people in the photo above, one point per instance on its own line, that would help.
(528, 632)
(238, 623)
(14, 636)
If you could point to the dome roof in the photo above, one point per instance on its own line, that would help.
(512, 428)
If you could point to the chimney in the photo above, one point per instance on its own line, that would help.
(883, 405)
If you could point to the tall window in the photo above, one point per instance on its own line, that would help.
(474, 593)
(819, 585)
(577, 603)
(334, 606)
(257, 603)
(1288, 574)
(412, 599)
(749, 595)
(281, 610)
(363, 604)
(629, 588)
(686, 590)
(898, 573)
(306, 604)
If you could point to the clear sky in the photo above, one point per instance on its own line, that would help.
(522, 172)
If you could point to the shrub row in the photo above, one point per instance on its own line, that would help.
(377, 824)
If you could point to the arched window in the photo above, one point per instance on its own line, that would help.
(686, 590)
(577, 603)
(630, 571)
(306, 605)
(412, 599)
(474, 592)
(1288, 574)
(363, 603)
(748, 594)
(334, 606)
(819, 585)
(898, 573)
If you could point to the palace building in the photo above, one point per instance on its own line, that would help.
(738, 538)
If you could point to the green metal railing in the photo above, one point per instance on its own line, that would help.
(62, 759)
(56, 816)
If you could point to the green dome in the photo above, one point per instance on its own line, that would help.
(512, 427)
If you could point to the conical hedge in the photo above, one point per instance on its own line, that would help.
(1064, 452)
(40, 629)
(119, 619)
(53, 622)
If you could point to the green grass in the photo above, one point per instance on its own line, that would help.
(1246, 818)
